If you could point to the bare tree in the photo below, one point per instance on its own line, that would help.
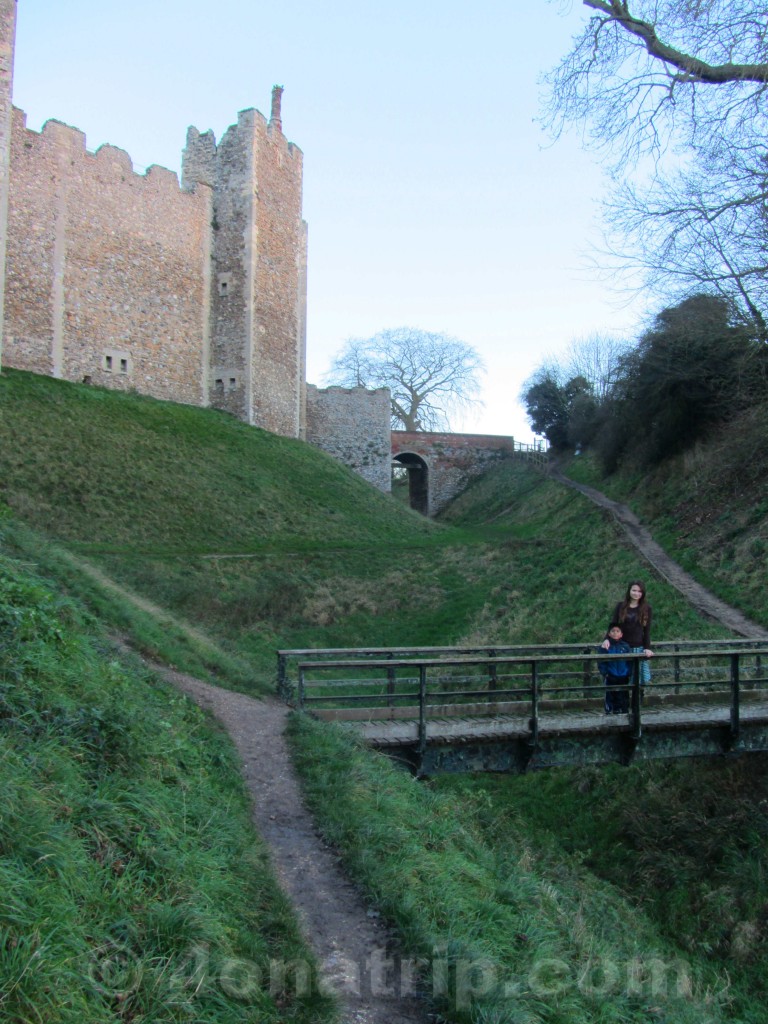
(430, 376)
(597, 359)
(694, 232)
(684, 82)
(643, 72)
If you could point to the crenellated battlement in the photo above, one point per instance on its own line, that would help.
(57, 135)
(198, 160)
(335, 389)
(114, 156)
(57, 131)
(353, 425)
(191, 291)
(201, 153)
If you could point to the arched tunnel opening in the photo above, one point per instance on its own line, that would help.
(415, 468)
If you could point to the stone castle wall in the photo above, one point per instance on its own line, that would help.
(258, 322)
(195, 294)
(107, 271)
(7, 48)
(353, 425)
(280, 262)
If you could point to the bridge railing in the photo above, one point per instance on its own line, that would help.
(671, 668)
(536, 453)
(530, 687)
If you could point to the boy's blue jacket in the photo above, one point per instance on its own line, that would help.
(615, 667)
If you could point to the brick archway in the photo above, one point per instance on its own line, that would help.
(449, 461)
(418, 480)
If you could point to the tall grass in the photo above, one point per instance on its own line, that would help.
(132, 887)
(683, 840)
(505, 928)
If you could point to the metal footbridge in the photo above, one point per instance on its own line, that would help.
(516, 709)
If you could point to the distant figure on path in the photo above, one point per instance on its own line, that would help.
(634, 615)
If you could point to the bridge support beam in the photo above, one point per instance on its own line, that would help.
(516, 755)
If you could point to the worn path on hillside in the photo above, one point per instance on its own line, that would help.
(351, 943)
(667, 568)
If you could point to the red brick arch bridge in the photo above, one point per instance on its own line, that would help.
(440, 466)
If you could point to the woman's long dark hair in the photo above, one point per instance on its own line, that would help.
(642, 605)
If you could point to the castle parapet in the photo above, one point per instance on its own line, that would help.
(353, 425)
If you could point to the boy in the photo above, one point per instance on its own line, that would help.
(616, 673)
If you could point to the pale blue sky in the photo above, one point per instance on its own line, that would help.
(432, 197)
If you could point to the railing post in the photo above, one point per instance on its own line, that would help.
(750, 685)
(734, 698)
(534, 704)
(422, 708)
(492, 671)
(587, 675)
(281, 675)
(390, 684)
(676, 663)
(636, 723)
(301, 688)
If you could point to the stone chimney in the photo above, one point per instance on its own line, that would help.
(274, 117)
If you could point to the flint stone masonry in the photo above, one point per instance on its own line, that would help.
(7, 44)
(258, 302)
(353, 425)
(101, 259)
(451, 461)
(195, 294)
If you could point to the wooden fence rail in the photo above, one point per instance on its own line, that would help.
(288, 659)
(539, 698)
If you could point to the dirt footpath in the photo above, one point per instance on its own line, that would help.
(351, 944)
(674, 574)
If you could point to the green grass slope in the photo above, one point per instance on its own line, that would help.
(568, 563)
(229, 527)
(132, 887)
(110, 471)
(262, 542)
(211, 545)
(708, 507)
(508, 924)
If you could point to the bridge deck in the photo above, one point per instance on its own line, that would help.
(399, 732)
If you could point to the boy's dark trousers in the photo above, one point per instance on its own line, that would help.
(616, 694)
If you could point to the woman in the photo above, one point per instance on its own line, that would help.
(634, 614)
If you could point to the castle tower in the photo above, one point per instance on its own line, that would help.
(7, 40)
(193, 294)
(258, 302)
